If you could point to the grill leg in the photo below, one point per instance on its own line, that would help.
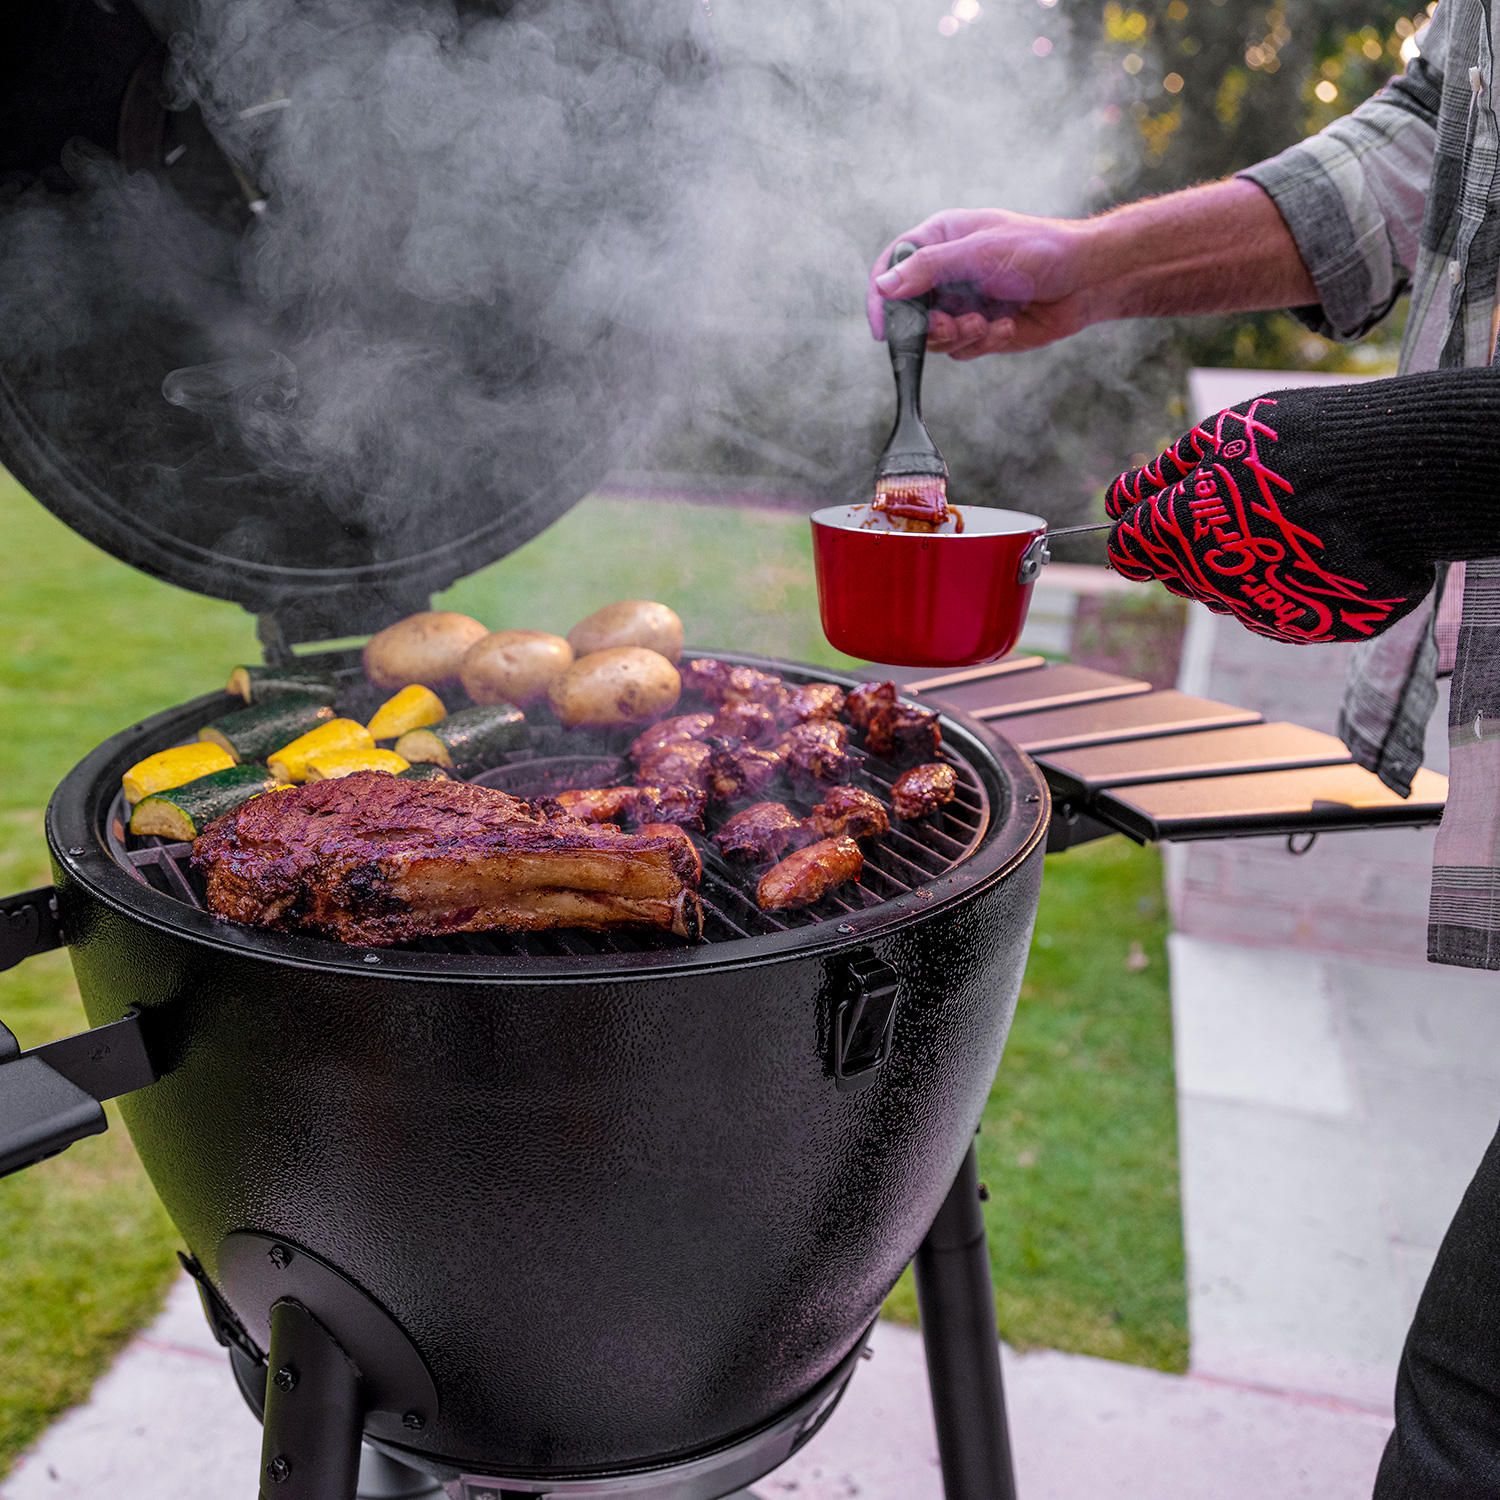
(957, 1301)
(310, 1447)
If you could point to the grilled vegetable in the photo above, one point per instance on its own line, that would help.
(411, 708)
(253, 733)
(625, 685)
(174, 767)
(257, 684)
(183, 812)
(427, 648)
(329, 765)
(631, 622)
(514, 666)
(424, 771)
(290, 762)
(467, 742)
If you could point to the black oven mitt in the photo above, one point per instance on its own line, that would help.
(1317, 514)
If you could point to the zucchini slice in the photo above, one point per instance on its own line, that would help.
(174, 767)
(470, 741)
(290, 762)
(423, 771)
(258, 684)
(183, 812)
(329, 765)
(413, 707)
(253, 733)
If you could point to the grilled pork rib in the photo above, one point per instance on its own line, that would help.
(373, 859)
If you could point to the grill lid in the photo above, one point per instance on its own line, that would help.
(229, 370)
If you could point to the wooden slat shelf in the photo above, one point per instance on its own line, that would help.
(1163, 765)
(1139, 716)
(1179, 757)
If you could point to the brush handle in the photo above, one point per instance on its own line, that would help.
(911, 449)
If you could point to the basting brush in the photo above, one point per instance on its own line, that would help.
(911, 479)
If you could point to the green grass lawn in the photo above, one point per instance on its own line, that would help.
(1079, 1142)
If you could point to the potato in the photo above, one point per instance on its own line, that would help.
(427, 648)
(622, 686)
(631, 622)
(514, 666)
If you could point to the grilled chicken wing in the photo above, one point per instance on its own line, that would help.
(761, 831)
(903, 732)
(819, 749)
(752, 722)
(373, 859)
(737, 771)
(682, 805)
(721, 683)
(866, 700)
(922, 790)
(670, 732)
(809, 874)
(680, 763)
(815, 700)
(848, 812)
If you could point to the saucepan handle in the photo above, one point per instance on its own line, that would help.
(50, 1096)
(1038, 554)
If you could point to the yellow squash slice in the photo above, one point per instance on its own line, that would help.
(174, 767)
(329, 765)
(290, 762)
(413, 707)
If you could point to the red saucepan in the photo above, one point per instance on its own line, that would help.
(943, 598)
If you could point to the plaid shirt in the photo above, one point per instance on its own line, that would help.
(1400, 195)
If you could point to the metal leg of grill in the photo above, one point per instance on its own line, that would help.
(957, 1301)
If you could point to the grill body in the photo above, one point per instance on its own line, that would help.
(616, 1201)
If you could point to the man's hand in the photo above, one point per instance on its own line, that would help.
(1300, 512)
(1006, 282)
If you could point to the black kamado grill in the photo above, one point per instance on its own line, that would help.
(563, 1214)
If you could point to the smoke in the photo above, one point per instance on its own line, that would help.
(419, 274)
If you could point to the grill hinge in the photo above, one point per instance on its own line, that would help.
(864, 1021)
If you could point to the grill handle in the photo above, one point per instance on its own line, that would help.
(50, 1096)
(29, 923)
(864, 1020)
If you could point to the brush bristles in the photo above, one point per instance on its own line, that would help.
(922, 497)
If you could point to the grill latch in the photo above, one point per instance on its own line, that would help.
(864, 1020)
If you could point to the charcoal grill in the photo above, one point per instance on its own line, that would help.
(611, 1213)
(556, 1214)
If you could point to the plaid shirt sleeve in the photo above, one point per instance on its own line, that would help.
(1353, 195)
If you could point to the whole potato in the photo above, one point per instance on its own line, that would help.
(631, 622)
(622, 686)
(427, 648)
(514, 666)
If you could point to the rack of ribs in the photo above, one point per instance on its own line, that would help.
(372, 859)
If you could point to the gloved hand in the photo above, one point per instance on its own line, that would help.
(1317, 514)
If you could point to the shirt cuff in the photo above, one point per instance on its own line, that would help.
(1350, 270)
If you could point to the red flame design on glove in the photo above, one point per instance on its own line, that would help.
(1206, 520)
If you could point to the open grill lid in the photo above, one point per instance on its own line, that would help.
(325, 454)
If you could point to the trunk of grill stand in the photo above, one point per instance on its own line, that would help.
(580, 1213)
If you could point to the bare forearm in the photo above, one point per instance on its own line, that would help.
(1222, 247)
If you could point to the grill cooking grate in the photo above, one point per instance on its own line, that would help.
(910, 855)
